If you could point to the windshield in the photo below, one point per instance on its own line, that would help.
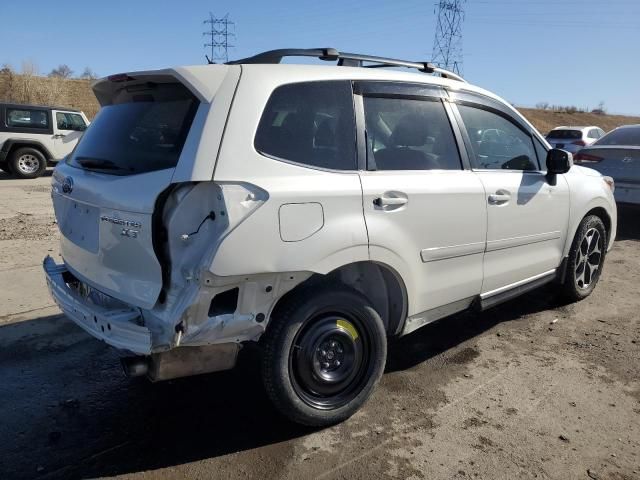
(143, 130)
(629, 136)
(565, 134)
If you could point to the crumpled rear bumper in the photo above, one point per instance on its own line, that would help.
(106, 318)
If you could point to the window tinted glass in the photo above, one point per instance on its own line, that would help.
(310, 123)
(622, 136)
(404, 134)
(27, 118)
(140, 132)
(69, 121)
(565, 134)
(541, 151)
(497, 143)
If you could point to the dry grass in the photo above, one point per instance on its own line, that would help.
(29, 88)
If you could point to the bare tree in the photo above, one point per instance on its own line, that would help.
(62, 71)
(89, 74)
(6, 69)
(542, 105)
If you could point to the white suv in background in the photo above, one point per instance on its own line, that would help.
(572, 139)
(314, 210)
(32, 136)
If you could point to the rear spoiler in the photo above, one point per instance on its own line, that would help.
(202, 80)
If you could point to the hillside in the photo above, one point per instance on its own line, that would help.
(77, 93)
(37, 90)
(545, 120)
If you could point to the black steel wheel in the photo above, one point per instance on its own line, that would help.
(324, 352)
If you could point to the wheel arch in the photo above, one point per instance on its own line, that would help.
(380, 283)
(11, 145)
(602, 211)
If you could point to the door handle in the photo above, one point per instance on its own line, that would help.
(499, 198)
(59, 135)
(385, 201)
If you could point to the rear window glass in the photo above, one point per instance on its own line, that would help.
(565, 134)
(27, 118)
(142, 131)
(629, 136)
(310, 123)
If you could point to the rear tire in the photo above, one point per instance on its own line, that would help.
(586, 259)
(27, 162)
(323, 354)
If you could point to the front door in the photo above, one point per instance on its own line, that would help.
(425, 213)
(68, 128)
(527, 212)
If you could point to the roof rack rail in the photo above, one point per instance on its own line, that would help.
(346, 60)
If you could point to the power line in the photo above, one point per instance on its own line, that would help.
(447, 45)
(219, 34)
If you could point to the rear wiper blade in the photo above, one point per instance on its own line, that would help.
(98, 164)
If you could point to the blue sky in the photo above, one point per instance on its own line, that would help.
(570, 52)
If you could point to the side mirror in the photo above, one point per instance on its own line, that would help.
(558, 161)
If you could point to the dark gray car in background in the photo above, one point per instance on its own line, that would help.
(617, 155)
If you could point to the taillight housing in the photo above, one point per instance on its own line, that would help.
(586, 158)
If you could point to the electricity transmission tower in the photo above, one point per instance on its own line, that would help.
(218, 36)
(447, 45)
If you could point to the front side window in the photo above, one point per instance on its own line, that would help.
(70, 121)
(311, 124)
(408, 134)
(27, 118)
(497, 143)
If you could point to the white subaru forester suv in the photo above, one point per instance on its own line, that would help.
(315, 210)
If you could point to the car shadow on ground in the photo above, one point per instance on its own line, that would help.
(8, 176)
(628, 222)
(68, 411)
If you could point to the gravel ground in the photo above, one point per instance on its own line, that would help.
(534, 388)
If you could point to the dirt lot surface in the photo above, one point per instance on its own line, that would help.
(532, 389)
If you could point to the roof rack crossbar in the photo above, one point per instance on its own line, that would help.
(344, 59)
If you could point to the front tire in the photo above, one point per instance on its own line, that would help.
(586, 259)
(27, 163)
(323, 354)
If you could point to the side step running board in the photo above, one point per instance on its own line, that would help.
(491, 299)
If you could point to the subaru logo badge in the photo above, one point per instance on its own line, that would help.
(67, 185)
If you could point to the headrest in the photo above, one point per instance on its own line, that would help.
(411, 131)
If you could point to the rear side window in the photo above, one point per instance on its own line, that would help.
(497, 142)
(27, 118)
(407, 134)
(628, 136)
(565, 134)
(143, 130)
(311, 124)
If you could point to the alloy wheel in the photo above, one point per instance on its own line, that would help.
(588, 259)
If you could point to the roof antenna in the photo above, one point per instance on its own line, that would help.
(209, 61)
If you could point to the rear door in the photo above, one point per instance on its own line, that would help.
(527, 215)
(425, 213)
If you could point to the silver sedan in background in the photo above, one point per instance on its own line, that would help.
(617, 155)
